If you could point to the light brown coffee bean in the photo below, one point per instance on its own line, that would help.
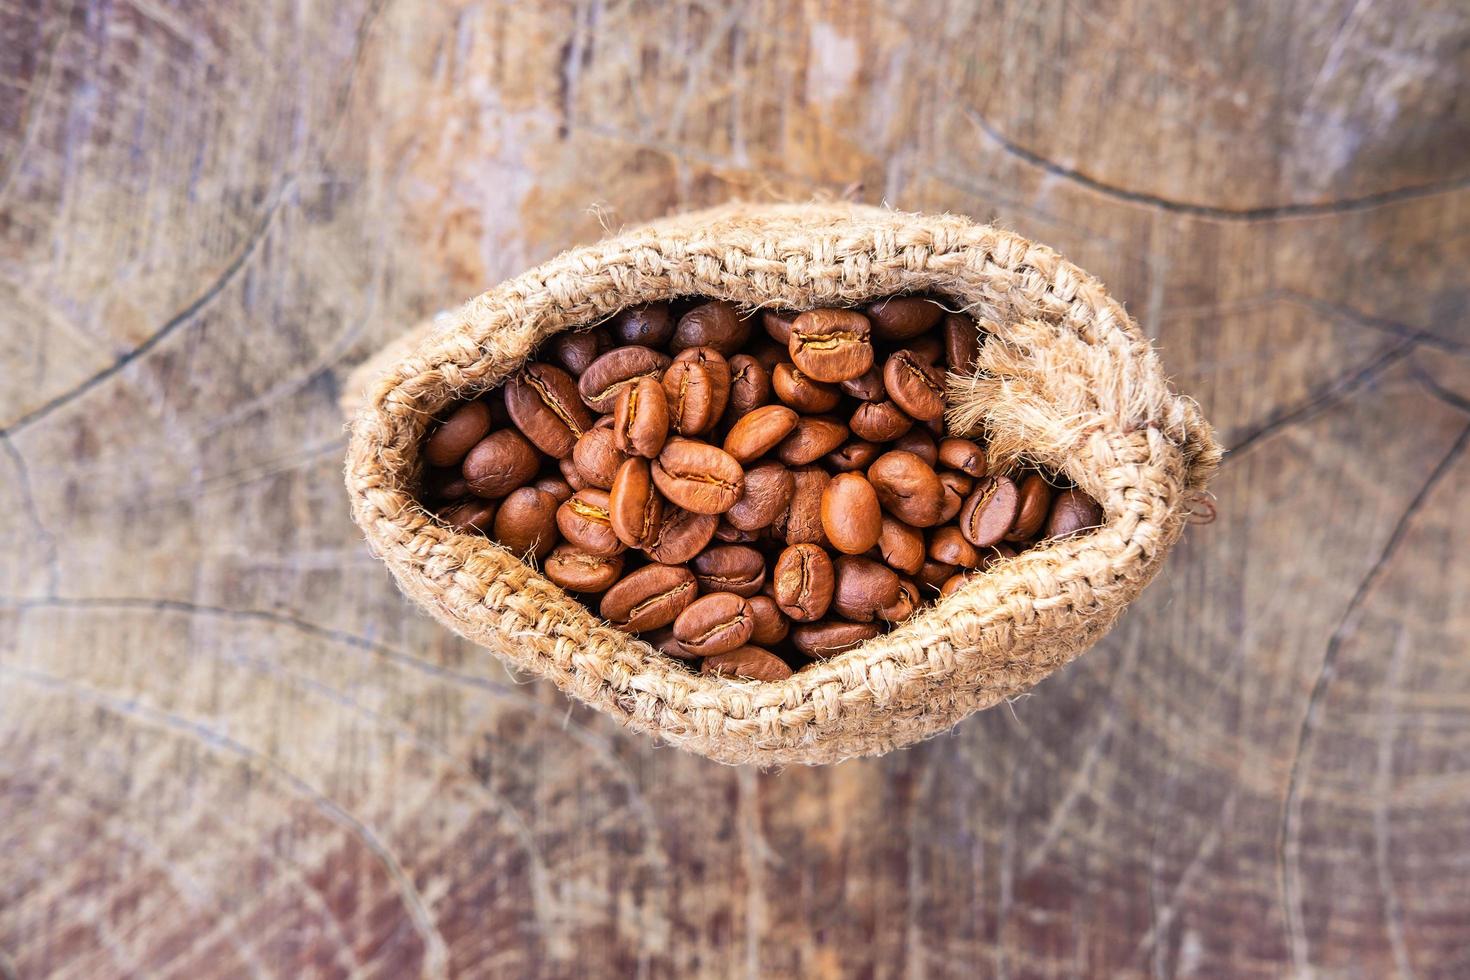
(902, 317)
(961, 344)
(472, 515)
(581, 571)
(901, 545)
(956, 582)
(851, 515)
(855, 454)
(921, 444)
(526, 523)
(768, 490)
(804, 516)
(757, 433)
(964, 455)
(465, 426)
(879, 421)
(715, 623)
(957, 487)
(749, 663)
(990, 511)
(697, 388)
(545, 405)
(716, 324)
(934, 574)
(831, 345)
(556, 486)
(811, 438)
(650, 325)
(867, 387)
(949, 547)
(634, 506)
(597, 457)
(806, 395)
(586, 522)
(699, 477)
(908, 488)
(575, 351)
(861, 587)
(499, 463)
(649, 597)
(778, 324)
(803, 580)
(733, 568)
(771, 624)
(682, 535)
(641, 419)
(907, 603)
(830, 637)
(750, 387)
(1073, 512)
(605, 377)
(1036, 497)
(915, 385)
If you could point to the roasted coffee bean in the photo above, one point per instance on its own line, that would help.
(471, 515)
(1035, 506)
(662, 640)
(699, 477)
(771, 624)
(902, 317)
(499, 463)
(803, 580)
(851, 515)
(1074, 511)
(963, 455)
(901, 545)
(598, 457)
(866, 387)
(804, 516)
(930, 350)
(733, 568)
(861, 587)
(648, 598)
(768, 490)
(956, 582)
(605, 377)
(650, 325)
(1000, 552)
(957, 487)
(715, 623)
(907, 603)
(576, 351)
(880, 421)
(767, 353)
(556, 486)
(921, 444)
(730, 534)
(990, 511)
(831, 637)
(545, 405)
(757, 433)
(908, 488)
(813, 437)
(961, 343)
(697, 387)
(641, 419)
(778, 325)
(915, 385)
(717, 324)
(634, 506)
(949, 547)
(682, 535)
(750, 387)
(571, 474)
(831, 345)
(852, 455)
(748, 663)
(453, 440)
(526, 523)
(581, 571)
(446, 483)
(801, 392)
(586, 522)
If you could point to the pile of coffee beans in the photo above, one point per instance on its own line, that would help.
(750, 503)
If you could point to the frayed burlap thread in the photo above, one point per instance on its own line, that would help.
(1066, 381)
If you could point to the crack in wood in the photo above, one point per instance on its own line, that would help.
(28, 501)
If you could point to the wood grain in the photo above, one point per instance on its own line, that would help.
(228, 747)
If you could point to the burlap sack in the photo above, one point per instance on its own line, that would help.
(1066, 381)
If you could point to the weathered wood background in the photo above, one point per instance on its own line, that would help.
(229, 747)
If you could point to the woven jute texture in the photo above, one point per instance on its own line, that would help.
(1065, 382)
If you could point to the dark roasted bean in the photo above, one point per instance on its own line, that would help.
(499, 463)
(697, 388)
(598, 457)
(934, 574)
(649, 597)
(575, 351)
(771, 624)
(855, 454)
(605, 377)
(556, 486)
(453, 440)
(990, 511)
(734, 568)
(715, 623)
(750, 387)
(901, 545)
(650, 325)
(831, 637)
(682, 535)
(641, 419)
(545, 405)
(866, 387)
(716, 324)
(915, 385)
(880, 421)
(813, 437)
(963, 455)
(526, 523)
(778, 325)
(804, 517)
(957, 487)
(471, 515)
(920, 443)
(902, 317)
(861, 587)
(749, 663)
(905, 605)
(768, 490)
(1072, 512)
(961, 342)
(1035, 506)
(949, 547)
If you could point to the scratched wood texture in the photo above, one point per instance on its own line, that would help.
(228, 747)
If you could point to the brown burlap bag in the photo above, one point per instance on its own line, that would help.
(1066, 381)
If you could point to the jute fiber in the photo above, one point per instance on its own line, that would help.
(1065, 382)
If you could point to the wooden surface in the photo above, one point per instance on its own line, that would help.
(228, 747)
